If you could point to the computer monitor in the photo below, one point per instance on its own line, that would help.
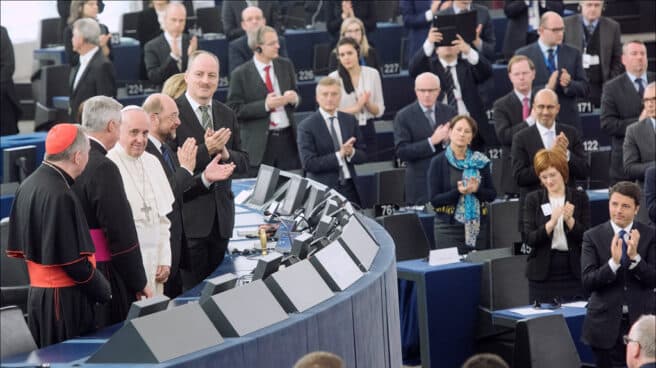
(315, 196)
(267, 179)
(148, 306)
(410, 240)
(216, 285)
(294, 195)
(390, 187)
(18, 163)
(359, 243)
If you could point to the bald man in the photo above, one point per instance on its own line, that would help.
(420, 129)
(558, 67)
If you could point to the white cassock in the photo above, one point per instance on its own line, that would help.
(151, 199)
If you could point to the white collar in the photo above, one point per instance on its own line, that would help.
(84, 59)
(445, 64)
(260, 65)
(97, 141)
(521, 96)
(194, 104)
(155, 141)
(543, 130)
(169, 37)
(616, 228)
(325, 115)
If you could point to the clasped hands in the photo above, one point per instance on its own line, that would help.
(471, 186)
(273, 101)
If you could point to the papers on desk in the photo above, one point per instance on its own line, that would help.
(530, 311)
(581, 304)
(243, 196)
(444, 256)
(248, 219)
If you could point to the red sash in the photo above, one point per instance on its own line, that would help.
(51, 276)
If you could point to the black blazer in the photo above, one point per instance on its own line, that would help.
(538, 262)
(469, 77)
(488, 38)
(650, 193)
(98, 78)
(568, 58)
(365, 10)
(159, 63)
(11, 111)
(239, 52)
(508, 121)
(202, 208)
(621, 106)
(517, 26)
(148, 27)
(316, 150)
(231, 16)
(609, 291)
(411, 132)
(246, 95)
(442, 193)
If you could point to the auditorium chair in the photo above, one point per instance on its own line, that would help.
(321, 58)
(129, 25)
(544, 342)
(16, 336)
(15, 282)
(53, 81)
(209, 20)
(50, 33)
(410, 241)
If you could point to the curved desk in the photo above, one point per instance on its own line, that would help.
(361, 324)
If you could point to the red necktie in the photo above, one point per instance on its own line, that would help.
(526, 110)
(269, 86)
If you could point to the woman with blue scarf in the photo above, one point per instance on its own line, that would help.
(459, 187)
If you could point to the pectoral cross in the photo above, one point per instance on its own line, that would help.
(146, 210)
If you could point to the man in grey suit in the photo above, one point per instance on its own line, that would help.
(231, 13)
(621, 103)
(94, 75)
(640, 140)
(420, 130)
(598, 40)
(167, 54)
(263, 95)
(558, 67)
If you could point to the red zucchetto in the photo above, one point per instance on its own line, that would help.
(60, 137)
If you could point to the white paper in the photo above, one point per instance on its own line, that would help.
(443, 256)
(248, 219)
(240, 233)
(546, 209)
(243, 196)
(582, 304)
(530, 311)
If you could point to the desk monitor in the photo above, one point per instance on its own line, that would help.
(410, 241)
(267, 179)
(267, 265)
(216, 285)
(148, 306)
(315, 196)
(18, 163)
(390, 187)
(294, 195)
(359, 244)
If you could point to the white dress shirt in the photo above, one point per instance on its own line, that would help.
(278, 116)
(84, 62)
(342, 164)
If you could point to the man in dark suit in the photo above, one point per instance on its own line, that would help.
(621, 103)
(231, 15)
(618, 269)
(168, 53)
(420, 131)
(524, 21)
(640, 352)
(263, 95)
(179, 169)
(417, 17)
(461, 69)
(95, 74)
(209, 217)
(639, 148)
(239, 53)
(487, 39)
(510, 114)
(330, 142)
(545, 133)
(11, 111)
(598, 39)
(558, 67)
(650, 193)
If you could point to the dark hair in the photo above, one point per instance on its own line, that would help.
(468, 119)
(343, 73)
(626, 188)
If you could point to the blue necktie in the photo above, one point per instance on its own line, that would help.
(624, 261)
(166, 153)
(641, 87)
(551, 60)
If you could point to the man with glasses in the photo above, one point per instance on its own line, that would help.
(545, 132)
(263, 95)
(421, 130)
(641, 343)
(618, 269)
(558, 67)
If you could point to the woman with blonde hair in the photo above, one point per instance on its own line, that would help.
(84, 9)
(175, 86)
(354, 28)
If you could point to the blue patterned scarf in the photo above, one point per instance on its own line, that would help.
(468, 209)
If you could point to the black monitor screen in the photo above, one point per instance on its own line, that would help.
(148, 306)
(18, 163)
(294, 196)
(267, 178)
(391, 187)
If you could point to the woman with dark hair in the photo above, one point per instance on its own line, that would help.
(554, 219)
(362, 91)
(459, 188)
(84, 9)
(354, 28)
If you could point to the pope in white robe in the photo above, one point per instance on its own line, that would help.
(148, 192)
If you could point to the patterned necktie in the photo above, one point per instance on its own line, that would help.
(590, 28)
(624, 261)
(430, 117)
(641, 87)
(526, 109)
(166, 153)
(449, 85)
(206, 121)
(551, 60)
(336, 144)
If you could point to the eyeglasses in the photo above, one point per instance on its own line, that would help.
(628, 340)
(171, 118)
(649, 99)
